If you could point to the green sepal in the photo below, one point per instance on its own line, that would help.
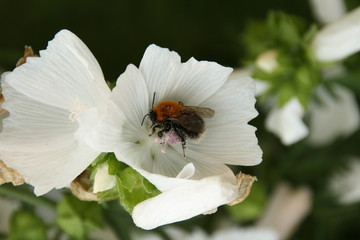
(131, 187)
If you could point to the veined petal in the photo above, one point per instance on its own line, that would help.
(186, 201)
(287, 123)
(228, 136)
(39, 142)
(339, 39)
(125, 111)
(335, 116)
(33, 126)
(191, 82)
(64, 74)
(42, 138)
(51, 169)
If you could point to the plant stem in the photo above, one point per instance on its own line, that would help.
(26, 196)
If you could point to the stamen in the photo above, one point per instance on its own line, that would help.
(77, 109)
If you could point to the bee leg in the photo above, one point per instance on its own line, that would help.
(154, 129)
(182, 136)
(166, 129)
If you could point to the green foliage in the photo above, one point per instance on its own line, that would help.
(297, 73)
(77, 218)
(26, 225)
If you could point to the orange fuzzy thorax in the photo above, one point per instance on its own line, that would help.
(167, 109)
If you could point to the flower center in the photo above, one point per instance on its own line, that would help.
(77, 109)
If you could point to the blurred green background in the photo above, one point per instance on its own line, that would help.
(118, 31)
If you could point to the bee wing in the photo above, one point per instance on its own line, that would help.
(201, 111)
(191, 122)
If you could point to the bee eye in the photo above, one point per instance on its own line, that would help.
(152, 115)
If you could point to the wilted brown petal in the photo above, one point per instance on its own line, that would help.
(245, 183)
(9, 175)
(80, 187)
(27, 53)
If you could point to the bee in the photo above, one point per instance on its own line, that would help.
(185, 121)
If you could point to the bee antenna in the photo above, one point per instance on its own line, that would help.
(144, 119)
(153, 100)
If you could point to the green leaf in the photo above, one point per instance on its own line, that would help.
(77, 218)
(26, 225)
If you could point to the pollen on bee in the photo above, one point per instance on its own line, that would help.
(169, 138)
(77, 109)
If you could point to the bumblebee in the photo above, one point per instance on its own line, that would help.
(185, 121)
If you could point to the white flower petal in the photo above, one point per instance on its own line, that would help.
(335, 116)
(198, 80)
(161, 182)
(287, 123)
(64, 73)
(185, 201)
(51, 169)
(148, 156)
(345, 184)
(158, 66)
(228, 136)
(53, 101)
(187, 172)
(124, 113)
(339, 39)
(191, 82)
(34, 126)
(131, 96)
(328, 11)
(39, 142)
(103, 180)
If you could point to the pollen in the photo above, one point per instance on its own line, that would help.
(77, 109)
(170, 138)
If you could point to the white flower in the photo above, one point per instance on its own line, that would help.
(327, 11)
(334, 116)
(201, 181)
(53, 101)
(346, 184)
(339, 39)
(286, 122)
